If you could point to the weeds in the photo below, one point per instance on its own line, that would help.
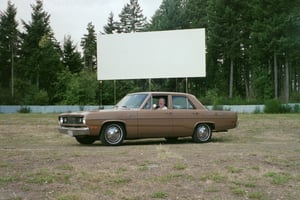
(69, 197)
(256, 195)
(212, 189)
(250, 185)
(119, 181)
(234, 170)
(159, 195)
(66, 167)
(217, 177)
(45, 176)
(168, 177)
(242, 183)
(8, 179)
(180, 166)
(238, 191)
(278, 178)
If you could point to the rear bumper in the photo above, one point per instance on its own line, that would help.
(71, 131)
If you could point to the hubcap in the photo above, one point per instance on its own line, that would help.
(113, 134)
(203, 133)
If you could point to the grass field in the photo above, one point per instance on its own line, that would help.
(258, 160)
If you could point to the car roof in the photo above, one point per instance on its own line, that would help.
(161, 93)
(195, 101)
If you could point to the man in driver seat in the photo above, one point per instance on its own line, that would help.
(162, 104)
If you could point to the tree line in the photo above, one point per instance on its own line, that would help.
(253, 54)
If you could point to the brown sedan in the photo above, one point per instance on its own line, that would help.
(147, 115)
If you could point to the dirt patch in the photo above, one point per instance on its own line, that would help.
(258, 160)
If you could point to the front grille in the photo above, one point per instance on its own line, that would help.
(71, 120)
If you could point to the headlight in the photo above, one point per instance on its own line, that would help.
(82, 120)
(60, 120)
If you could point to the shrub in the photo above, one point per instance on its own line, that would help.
(211, 98)
(217, 107)
(275, 106)
(40, 98)
(24, 109)
(257, 110)
(286, 108)
(296, 108)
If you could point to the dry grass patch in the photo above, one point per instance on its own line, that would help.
(257, 160)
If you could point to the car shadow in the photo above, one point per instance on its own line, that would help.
(185, 140)
(156, 141)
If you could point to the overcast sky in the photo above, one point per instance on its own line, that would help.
(70, 17)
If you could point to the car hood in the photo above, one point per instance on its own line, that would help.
(85, 113)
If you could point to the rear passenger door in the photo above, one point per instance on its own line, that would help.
(184, 116)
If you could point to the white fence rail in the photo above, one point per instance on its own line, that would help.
(66, 108)
(50, 109)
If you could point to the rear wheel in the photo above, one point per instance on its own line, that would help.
(85, 139)
(112, 134)
(202, 133)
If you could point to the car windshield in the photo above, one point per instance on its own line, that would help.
(132, 101)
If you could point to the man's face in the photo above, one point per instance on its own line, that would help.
(161, 102)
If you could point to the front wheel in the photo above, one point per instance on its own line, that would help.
(85, 139)
(112, 134)
(202, 133)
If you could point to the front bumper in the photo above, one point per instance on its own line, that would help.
(71, 131)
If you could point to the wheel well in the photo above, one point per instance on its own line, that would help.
(114, 122)
(210, 124)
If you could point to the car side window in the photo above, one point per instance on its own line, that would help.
(181, 102)
(153, 102)
(156, 102)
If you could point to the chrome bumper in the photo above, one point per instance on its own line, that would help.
(71, 131)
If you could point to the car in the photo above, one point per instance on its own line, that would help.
(138, 116)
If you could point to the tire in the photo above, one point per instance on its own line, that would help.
(202, 133)
(85, 139)
(112, 134)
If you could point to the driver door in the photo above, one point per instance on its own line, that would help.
(153, 122)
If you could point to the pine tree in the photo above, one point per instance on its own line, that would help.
(40, 55)
(225, 18)
(169, 16)
(71, 57)
(132, 18)
(275, 42)
(196, 14)
(111, 25)
(89, 46)
(9, 41)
